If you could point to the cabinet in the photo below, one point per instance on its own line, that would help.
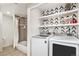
(39, 47)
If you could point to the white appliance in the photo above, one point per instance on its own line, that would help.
(63, 46)
(39, 46)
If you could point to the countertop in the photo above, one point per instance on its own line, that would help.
(66, 39)
(41, 36)
(59, 38)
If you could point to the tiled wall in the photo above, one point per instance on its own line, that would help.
(63, 19)
(60, 30)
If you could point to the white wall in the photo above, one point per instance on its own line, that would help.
(16, 38)
(32, 28)
(78, 21)
(1, 41)
(7, 30)
(17, 8)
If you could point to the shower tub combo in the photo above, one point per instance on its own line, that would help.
(22, 46)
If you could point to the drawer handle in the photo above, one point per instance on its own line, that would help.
(45, 41)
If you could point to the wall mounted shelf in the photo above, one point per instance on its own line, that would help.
(60, 13)
(60, 25)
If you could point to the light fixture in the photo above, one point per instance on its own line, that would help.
(8, 13)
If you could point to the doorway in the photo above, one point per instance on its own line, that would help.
(22, 28)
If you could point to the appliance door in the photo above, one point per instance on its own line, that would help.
(53, 45)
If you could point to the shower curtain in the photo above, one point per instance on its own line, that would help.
(22, 28)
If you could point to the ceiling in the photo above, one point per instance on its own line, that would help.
(17, 8)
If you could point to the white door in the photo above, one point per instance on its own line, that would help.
(39, 47)
(7, 28)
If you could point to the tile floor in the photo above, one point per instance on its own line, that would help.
(9, 51)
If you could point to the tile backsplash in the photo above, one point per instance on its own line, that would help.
(59, 8)
(59, 30)
(70, 18)
(63, 19)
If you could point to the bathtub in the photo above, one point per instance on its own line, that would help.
(22, 46)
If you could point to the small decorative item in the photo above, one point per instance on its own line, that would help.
(56, 10)
(56, 20)
(52, 11)
(68, 6)
(74, 31)
(51, 21)
(74, 19)
(56, 30)
(73, 27)
(47, 30)
(74, 5)
(68, 30)
(74, 16)
(62, 30)
(61, 9)
(42, 31)
(62, 20)
(43, 13)
(68, 19)
(47, 12)
(45, 21)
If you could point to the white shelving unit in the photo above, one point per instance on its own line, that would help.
(57, 14)
(60, 25)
